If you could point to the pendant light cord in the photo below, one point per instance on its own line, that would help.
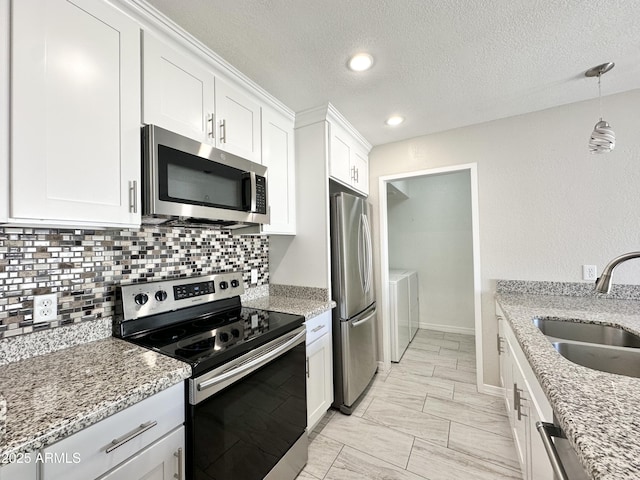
(600, 96)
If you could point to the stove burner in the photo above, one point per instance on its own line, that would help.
(165, 336)
(199, 346)
(212, 320)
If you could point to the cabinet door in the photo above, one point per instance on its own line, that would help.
(319, 380)
(178, 92)
(237, 122)
(360, 171)
(278, 157)
(340, 154)
(521, 415)
(163, 460)
(75, 113)
(20, 470)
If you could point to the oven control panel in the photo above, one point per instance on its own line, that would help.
(150, 298)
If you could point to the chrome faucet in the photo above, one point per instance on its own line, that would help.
(603, 284)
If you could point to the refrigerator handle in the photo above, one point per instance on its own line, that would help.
(369, 253)
(361, 254)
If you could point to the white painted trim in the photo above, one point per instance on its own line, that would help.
(447, 328)
(384, 257)
(331, 114)
(491, 390)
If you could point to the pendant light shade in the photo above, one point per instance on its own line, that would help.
(602, 138)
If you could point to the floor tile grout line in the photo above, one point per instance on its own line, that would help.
(334, 461)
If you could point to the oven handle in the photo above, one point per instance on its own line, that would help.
(255, 363)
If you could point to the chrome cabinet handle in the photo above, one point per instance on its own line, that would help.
(500, 344)
(133, 196)
(357, 174)
(211, 121)
(180, 457)
(517, 401)
(118, 442)
(223, 131)
(307, 367)
(318, 328)
(546, 431)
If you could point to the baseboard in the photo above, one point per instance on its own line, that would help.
(448, 328)
(492, 390)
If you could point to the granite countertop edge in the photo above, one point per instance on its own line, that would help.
(595, 409)
(158, 372)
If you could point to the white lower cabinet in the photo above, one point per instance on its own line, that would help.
(138, 442)
(319, 368)
(525, 402)
(19, 470)
(164, 460)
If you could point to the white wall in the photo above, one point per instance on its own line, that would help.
(547, 205)
(430, 232)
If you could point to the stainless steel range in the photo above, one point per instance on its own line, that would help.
(246, 412)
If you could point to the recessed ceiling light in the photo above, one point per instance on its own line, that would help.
(360, 62)
(394, 120)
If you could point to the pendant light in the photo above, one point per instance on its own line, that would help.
(602, 139)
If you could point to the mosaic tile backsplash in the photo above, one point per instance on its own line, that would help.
(83, 267)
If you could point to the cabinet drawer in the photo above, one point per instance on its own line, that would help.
(318, 326)
(84, 454)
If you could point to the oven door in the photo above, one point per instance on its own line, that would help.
(247, 420)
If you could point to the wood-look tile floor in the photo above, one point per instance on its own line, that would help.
(424, 419)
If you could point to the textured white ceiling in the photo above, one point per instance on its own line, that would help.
(440, 64)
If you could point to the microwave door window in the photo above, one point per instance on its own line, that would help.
(186, 178)
(203, 188)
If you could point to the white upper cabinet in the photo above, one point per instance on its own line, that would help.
(75, 116)
(237, 122)
(348, 150)
(359, 168)
(182, 94)
(339, 158)
(178, 92)
(278, 157)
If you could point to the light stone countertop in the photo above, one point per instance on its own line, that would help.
(52, 396)
(599, 412)
(304, 301)
(308, 308)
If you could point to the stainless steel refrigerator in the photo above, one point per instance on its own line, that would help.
(354, 318)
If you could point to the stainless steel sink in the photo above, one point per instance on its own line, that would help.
(587, 332)
(623, 361)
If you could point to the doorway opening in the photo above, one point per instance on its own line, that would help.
(429, 224)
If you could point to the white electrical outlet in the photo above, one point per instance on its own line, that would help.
(254, 276)
(589, 272)
(45, 307)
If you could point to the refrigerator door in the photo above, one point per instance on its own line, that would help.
(352, 254)
(358, 356)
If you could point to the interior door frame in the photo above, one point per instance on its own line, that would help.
(384, 259)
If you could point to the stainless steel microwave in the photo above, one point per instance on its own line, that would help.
(187, 180)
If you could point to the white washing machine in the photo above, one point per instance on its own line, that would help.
(414, 303)
(399, 307)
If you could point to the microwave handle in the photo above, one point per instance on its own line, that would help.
(254, 191)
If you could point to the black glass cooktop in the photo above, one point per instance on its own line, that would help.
(210, 340)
